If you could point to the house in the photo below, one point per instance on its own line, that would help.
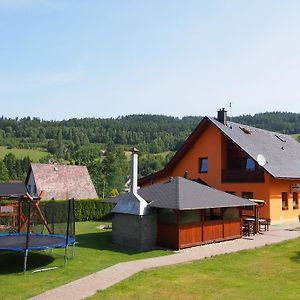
(60, 182)
(178, 213)
(241, 160)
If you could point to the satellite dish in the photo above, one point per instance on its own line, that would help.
(261, 160)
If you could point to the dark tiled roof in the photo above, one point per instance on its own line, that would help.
(12, 189)
(180, 193)
(183, 194)
(63, 181)
(282, 152)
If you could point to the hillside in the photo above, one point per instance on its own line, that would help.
(101, 143)
(153, 133)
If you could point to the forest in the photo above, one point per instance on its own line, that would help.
(101, 144)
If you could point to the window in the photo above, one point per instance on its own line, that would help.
(245, 130)
(190, 216)
(203, 165)
(250, 164)
(213, 214)
(167, 216)
(247, 195)
(281, 138)
(295, 200)
(231, 213)
(285, 203)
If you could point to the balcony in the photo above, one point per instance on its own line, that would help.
(242, 176)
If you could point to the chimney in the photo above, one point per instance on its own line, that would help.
(134, 170)
(222, 116)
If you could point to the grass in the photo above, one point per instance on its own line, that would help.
(34, 155)
(94, 252)
(271, 272)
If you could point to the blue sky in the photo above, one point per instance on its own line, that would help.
(62, 59)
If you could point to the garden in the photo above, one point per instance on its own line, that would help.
(93, 252)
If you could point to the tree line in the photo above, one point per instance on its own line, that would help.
(100, 144)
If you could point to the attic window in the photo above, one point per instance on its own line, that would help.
(245, 130)
(281, 138)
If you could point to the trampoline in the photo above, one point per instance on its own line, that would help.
(27, 225)
(17, 242)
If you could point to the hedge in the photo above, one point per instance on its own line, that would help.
(85, 210)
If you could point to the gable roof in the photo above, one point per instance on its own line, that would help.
(16, 189)
(281, 162)
(63, 181)
(282, 152)
(184, 194)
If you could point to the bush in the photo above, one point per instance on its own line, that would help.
(85, 210)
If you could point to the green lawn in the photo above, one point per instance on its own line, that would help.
(93, 253)
(34, 155)
(271, 272)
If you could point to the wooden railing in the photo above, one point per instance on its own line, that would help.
(242, 176)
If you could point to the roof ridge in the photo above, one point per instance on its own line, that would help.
(251, 126)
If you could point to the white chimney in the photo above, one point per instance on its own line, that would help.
(132, 202)
(134, 171)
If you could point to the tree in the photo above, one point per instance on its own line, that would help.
(10, 162)
(4, 175)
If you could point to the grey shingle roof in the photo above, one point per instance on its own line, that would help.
(184, 194)
(282, 152)
(12, 189)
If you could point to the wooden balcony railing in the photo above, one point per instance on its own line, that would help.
(242, 176)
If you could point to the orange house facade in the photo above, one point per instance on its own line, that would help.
(245, 161)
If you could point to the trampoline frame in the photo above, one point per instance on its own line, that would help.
(70, 241)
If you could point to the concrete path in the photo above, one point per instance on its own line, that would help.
(89, 285)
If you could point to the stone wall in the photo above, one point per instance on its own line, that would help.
(135, 232)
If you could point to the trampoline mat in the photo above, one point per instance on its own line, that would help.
(17, 242)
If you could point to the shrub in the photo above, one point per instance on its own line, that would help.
(85, 210)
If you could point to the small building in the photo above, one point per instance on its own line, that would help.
(60, 182)
(178, 213)
(242, 160)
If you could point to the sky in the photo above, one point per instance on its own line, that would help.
(62, 59)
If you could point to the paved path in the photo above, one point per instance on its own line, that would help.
(89, 285)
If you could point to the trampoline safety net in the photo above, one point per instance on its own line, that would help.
(30, 224)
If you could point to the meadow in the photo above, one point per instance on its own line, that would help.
(34, 155)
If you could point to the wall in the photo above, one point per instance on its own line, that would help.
(276, 213)
(213, 144)
(31, 184)
(134, 232)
